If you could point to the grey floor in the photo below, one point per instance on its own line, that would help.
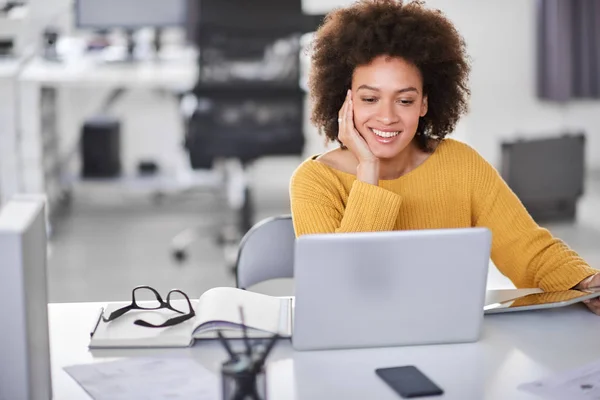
(113, 239)
(110, 242)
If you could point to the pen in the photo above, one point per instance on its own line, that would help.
(246, 342)
(226, 345)
(100, 314)
(268, 350)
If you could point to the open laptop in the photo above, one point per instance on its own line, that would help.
(390, 288)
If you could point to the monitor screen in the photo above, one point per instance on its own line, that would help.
(130, 14)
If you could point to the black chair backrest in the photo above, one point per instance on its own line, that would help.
(248, 13)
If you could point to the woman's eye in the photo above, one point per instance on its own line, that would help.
(374, 100)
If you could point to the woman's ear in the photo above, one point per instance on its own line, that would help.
(424, 106)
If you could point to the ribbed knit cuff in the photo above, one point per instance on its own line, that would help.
(569, 276)
(370, 208)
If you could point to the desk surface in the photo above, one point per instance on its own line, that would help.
(177, 72)
(9, 66)
(515, 348)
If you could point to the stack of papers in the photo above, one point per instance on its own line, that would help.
(147, 378)
(578, 384)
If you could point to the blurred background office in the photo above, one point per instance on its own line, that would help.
(162, 130)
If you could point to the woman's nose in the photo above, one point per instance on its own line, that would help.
(387, 115)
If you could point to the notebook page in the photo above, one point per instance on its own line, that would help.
(220, 307)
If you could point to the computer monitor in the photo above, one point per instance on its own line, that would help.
(130, 14)
(24, 342)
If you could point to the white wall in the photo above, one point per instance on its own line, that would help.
(500, 37)
(501, 41)
(322, 6)
(48, 13)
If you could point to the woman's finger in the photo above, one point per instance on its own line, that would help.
(595, 309)
(342, 126)
(594, 301)
(350, 120)
(343, 109)
(350, 111)
(593, 305)
(350, 129)
(350, 115)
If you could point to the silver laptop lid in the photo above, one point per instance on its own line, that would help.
(390, 288)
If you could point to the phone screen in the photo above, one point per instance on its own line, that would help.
(408, 381)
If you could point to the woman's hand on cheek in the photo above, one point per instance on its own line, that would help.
(368, 164)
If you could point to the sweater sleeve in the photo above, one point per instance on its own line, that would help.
(319, 204)
(523, 251)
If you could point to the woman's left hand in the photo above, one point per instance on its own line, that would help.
(592, 281)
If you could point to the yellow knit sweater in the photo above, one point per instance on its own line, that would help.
(454, 188)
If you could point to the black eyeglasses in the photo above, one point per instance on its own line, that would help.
(156, 302)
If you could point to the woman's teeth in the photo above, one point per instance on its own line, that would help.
(385, 134)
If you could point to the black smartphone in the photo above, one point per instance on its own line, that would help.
(409, 382)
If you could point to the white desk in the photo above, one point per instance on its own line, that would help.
(42, 124)
(177, 73)
(515, 348)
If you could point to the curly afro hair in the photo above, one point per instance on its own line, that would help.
(354, 36)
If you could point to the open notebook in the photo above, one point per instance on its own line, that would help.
(216, 309)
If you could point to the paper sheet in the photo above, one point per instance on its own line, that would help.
(578, 384)
(147, 378)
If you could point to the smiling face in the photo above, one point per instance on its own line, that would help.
(388, 101)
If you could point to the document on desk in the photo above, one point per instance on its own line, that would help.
(577, 384)
(147, 378)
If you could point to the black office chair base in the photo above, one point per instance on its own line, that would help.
(180, 256)
(228, 238)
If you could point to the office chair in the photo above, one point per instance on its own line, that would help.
(266, 252)
(248, 102)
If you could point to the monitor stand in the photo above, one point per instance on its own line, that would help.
(130, 45)
(157, 42)
(132, 52)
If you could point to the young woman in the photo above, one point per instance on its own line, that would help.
(389, 83)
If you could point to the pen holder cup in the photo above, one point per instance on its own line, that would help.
(241, 383)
